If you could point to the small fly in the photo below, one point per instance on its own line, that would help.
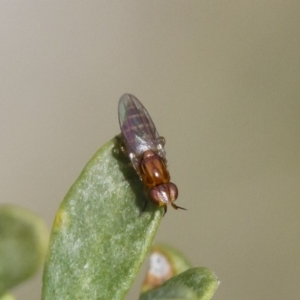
(145, 149)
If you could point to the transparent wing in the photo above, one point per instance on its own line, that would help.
(137, 127)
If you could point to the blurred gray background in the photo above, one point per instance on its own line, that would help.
(221, 81)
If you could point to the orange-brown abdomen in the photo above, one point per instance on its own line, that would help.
(153, 170)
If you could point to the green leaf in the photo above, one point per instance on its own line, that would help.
(7, 297)
(164, 263)
(169, 293)
(197, 283)
(101, 235)
(23, 244)
(177, 260)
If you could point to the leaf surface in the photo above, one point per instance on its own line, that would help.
(23, 244)
(100, 235)
(195, 283)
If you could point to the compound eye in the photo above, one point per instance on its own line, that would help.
(164, 194)
(173, 191)
(158, 196)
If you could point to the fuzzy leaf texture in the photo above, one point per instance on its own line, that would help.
(194, 283)
(23, 244)
(170, 276)
(100, 235)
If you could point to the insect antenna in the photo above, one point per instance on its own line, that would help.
(177, 207)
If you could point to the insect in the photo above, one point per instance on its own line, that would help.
(145, 148)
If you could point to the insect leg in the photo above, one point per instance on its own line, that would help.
(165, 209)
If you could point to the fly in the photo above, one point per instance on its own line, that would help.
(145, 148)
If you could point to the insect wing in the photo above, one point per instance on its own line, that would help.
(137, 127)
